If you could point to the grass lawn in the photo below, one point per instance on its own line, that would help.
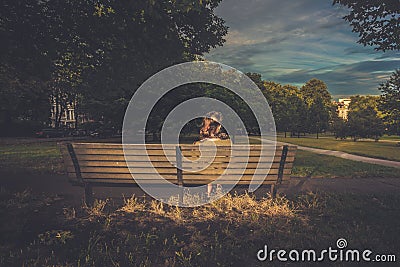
(42, 157)
(382, 150)
(308, 164)
(48, 231)
(395, 138)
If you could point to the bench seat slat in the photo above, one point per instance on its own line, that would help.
(157, 182)
(193, 153)
(111, 171)
(243, 159)
(159, 146)
(163, 159)
(122, 164)
(92, 175)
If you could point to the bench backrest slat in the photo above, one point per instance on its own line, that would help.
(105, 163)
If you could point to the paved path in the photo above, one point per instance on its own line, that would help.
(344, 155)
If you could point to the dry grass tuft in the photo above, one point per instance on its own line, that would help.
(157, 207)
(132, 204)
(97, 208)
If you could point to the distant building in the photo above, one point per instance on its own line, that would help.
(343, 107)
(68, 118)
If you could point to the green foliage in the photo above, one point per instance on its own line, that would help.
(236, 103)
(101, 50)
(314, 89)
(23, 102)
(376, 22)
(390, 102)
(340, 127)
(318, 116)
(287, 106)
(318, 101)
(363, 119)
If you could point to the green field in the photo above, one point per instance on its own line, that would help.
(308, 164)
(395, 138)
(42, 157)
(382, 150)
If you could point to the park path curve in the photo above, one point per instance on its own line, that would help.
(344, 155)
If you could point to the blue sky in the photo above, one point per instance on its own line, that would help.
(292, 41)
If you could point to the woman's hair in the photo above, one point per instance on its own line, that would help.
(211, 125)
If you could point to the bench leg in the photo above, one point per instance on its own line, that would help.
(273, 190)
(88, 195)
(181, 195)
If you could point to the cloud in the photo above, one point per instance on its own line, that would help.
(347, 79)
(292, 41)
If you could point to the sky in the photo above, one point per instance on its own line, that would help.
(292, 41)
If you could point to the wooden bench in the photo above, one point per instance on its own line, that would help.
(104, 164)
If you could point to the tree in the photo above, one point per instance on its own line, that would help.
(286, 105)
(24, 105)
(340, 127)
(363, 119)
(314, 89)
(390, 101)
(318, 101)
(318, 116)
(145, 37)
(376, 22)
(103, 50)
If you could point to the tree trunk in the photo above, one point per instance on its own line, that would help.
(76, 113)
(59, 117)
(56, 116)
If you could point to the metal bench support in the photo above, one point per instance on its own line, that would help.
(179, 172)
(88, 188)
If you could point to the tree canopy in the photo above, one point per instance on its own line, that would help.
(363, 118)
(390, 102)
(376, 21)
(102, 50)
(314, 89)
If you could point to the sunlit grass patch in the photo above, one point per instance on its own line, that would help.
(97, 209)
(308, 164)
(132, 204)
(369, 148)
(35, 158)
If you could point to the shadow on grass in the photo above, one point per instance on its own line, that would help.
(47, 230)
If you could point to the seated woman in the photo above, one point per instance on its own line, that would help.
(211, 132)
